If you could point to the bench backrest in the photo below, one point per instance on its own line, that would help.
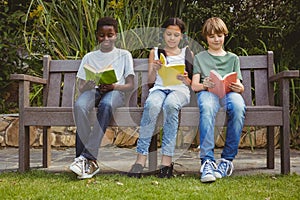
(61, 76)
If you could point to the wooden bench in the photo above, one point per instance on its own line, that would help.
(58, 84)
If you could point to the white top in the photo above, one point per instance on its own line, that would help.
(178, 59)
(120, 59)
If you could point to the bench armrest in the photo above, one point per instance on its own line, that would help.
(285, 75)
(24, 77)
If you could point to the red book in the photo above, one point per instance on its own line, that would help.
(221, 84)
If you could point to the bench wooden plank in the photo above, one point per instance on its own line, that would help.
(54, 90)
(130, 116)
(247, 94)
(68, 89)
(261, 87)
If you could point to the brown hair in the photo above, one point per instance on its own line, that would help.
(214, 25)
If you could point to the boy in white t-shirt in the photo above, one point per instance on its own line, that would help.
(106, 97)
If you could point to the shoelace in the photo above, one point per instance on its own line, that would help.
(225, 166)
(83, 160)
(208, 166)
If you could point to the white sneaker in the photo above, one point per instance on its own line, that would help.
(91, 168)
(78, 165)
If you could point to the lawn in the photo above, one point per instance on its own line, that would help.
(38, 184)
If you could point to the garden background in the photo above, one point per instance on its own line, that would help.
(65, 29)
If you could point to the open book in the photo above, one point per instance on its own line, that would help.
(221, 84)
(105, 75)
(169, 72)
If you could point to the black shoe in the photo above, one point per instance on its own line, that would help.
(136, 171)
(166, 171)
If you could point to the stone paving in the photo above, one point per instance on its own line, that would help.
(119, 160)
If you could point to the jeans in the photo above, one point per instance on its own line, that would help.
(209, 105)
(88, 135)
(170, 102)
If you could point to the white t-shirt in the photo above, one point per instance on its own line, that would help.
(178, 59)
(120, 59)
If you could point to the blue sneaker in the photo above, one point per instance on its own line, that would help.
(207, 169)
(225, 168)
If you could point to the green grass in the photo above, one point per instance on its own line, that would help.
(39, 184)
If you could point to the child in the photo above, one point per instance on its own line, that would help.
(168, 98)
(106, 97)
(216, 58)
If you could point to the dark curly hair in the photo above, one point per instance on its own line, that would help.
(107, 21)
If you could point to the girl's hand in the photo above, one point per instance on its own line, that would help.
(184, 78)
(237, 87)
(106, 87)
(156, 65)
(207, 83)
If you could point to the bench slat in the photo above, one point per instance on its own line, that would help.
(68, 88)
(247, 94)
(130, 116)
(261, 87)
(253, 62)
(64, 65)
(54, 89)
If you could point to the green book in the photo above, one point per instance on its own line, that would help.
(105, 75)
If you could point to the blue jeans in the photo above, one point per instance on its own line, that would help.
(170, 102)
(209, 105)
(89, 134)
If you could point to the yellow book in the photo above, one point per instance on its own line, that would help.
(105, 75)
(169, 72)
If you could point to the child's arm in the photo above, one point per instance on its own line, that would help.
(184, 78)
(196, 85)
(126, 87)
(153, 66)
(84, 85)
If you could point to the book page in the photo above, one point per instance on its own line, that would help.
(229, 78)
(169, 73)
(105, 75)
(90, 72)
(221, 84)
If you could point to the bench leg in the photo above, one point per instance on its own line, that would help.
(24, 147)
(285, 129)
(153, 153)
(46, 148)
(285, 150)
(270, 148)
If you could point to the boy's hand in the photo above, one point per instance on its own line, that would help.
(207, 83)
(236, 87)
(88, 85)
(106, 87)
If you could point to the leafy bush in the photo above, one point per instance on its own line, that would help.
(13, 55)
